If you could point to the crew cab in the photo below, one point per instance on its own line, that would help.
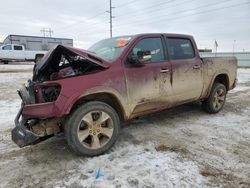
(15, 52)
(88, 93)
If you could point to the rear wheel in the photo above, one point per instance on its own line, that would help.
(92, 129)
(216, 99)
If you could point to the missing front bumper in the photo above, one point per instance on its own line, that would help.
(23, 137)
(20, 134)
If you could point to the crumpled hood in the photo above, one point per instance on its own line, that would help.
(51, 60)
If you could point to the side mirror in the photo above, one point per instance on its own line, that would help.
(144, 56)
(134, 61)
(139, 59)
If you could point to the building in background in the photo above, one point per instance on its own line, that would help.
(36, 42)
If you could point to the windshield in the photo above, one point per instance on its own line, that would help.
(110, 49)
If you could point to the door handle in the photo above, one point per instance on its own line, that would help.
(196, 67)
(164, 70)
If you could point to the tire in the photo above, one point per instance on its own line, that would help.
(216, 99)
(5, 62)
(84, 121)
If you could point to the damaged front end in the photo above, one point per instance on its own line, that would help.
(31, 127)
(33, 131)
(41, 115)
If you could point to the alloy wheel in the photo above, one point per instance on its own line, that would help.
(219, 99)
(95, 129)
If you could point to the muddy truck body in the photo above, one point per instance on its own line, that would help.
(88, 93)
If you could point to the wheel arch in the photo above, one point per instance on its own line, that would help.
(106, 97)
(219, 78)
(223, 79)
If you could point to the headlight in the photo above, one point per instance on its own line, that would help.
(47, 92)
(51, 93)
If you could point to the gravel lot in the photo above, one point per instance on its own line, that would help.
(180, 147)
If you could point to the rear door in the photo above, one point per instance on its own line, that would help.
(186, 70)
(147, 84)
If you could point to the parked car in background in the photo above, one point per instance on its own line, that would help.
(15, 52)
(87, 93)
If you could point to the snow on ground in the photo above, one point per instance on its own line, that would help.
(180, 147)
(16, 66)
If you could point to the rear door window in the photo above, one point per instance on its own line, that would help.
(18, 47)
(179, 48)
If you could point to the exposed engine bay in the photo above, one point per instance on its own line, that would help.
(64, 62)
(70, 66)
(59, 63)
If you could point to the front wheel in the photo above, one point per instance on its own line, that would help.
(92, 129)
(216, 99)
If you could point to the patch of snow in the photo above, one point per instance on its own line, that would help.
(243, 75)
(14, 67)
(239, 88)
(8, 112)
(137, 166)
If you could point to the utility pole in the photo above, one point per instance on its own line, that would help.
(50, 32)
(110, 18)
(47, 32)
(43, 31)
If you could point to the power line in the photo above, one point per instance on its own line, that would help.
(211, 10)
(178, 12)
(135, 14)
(110, 20)
(150, 7)
(90, 18)
(89, 27)
(126, 4)
(159, 20)
(69, 26)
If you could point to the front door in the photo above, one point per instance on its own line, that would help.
(147, 85)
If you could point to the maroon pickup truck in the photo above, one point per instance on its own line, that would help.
(88, 93)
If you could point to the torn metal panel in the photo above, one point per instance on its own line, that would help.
(52, 61)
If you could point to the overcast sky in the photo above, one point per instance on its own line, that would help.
(86, 21)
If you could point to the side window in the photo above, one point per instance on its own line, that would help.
(180, 48)
(151, 45)
(7, 47)
(18, 47)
